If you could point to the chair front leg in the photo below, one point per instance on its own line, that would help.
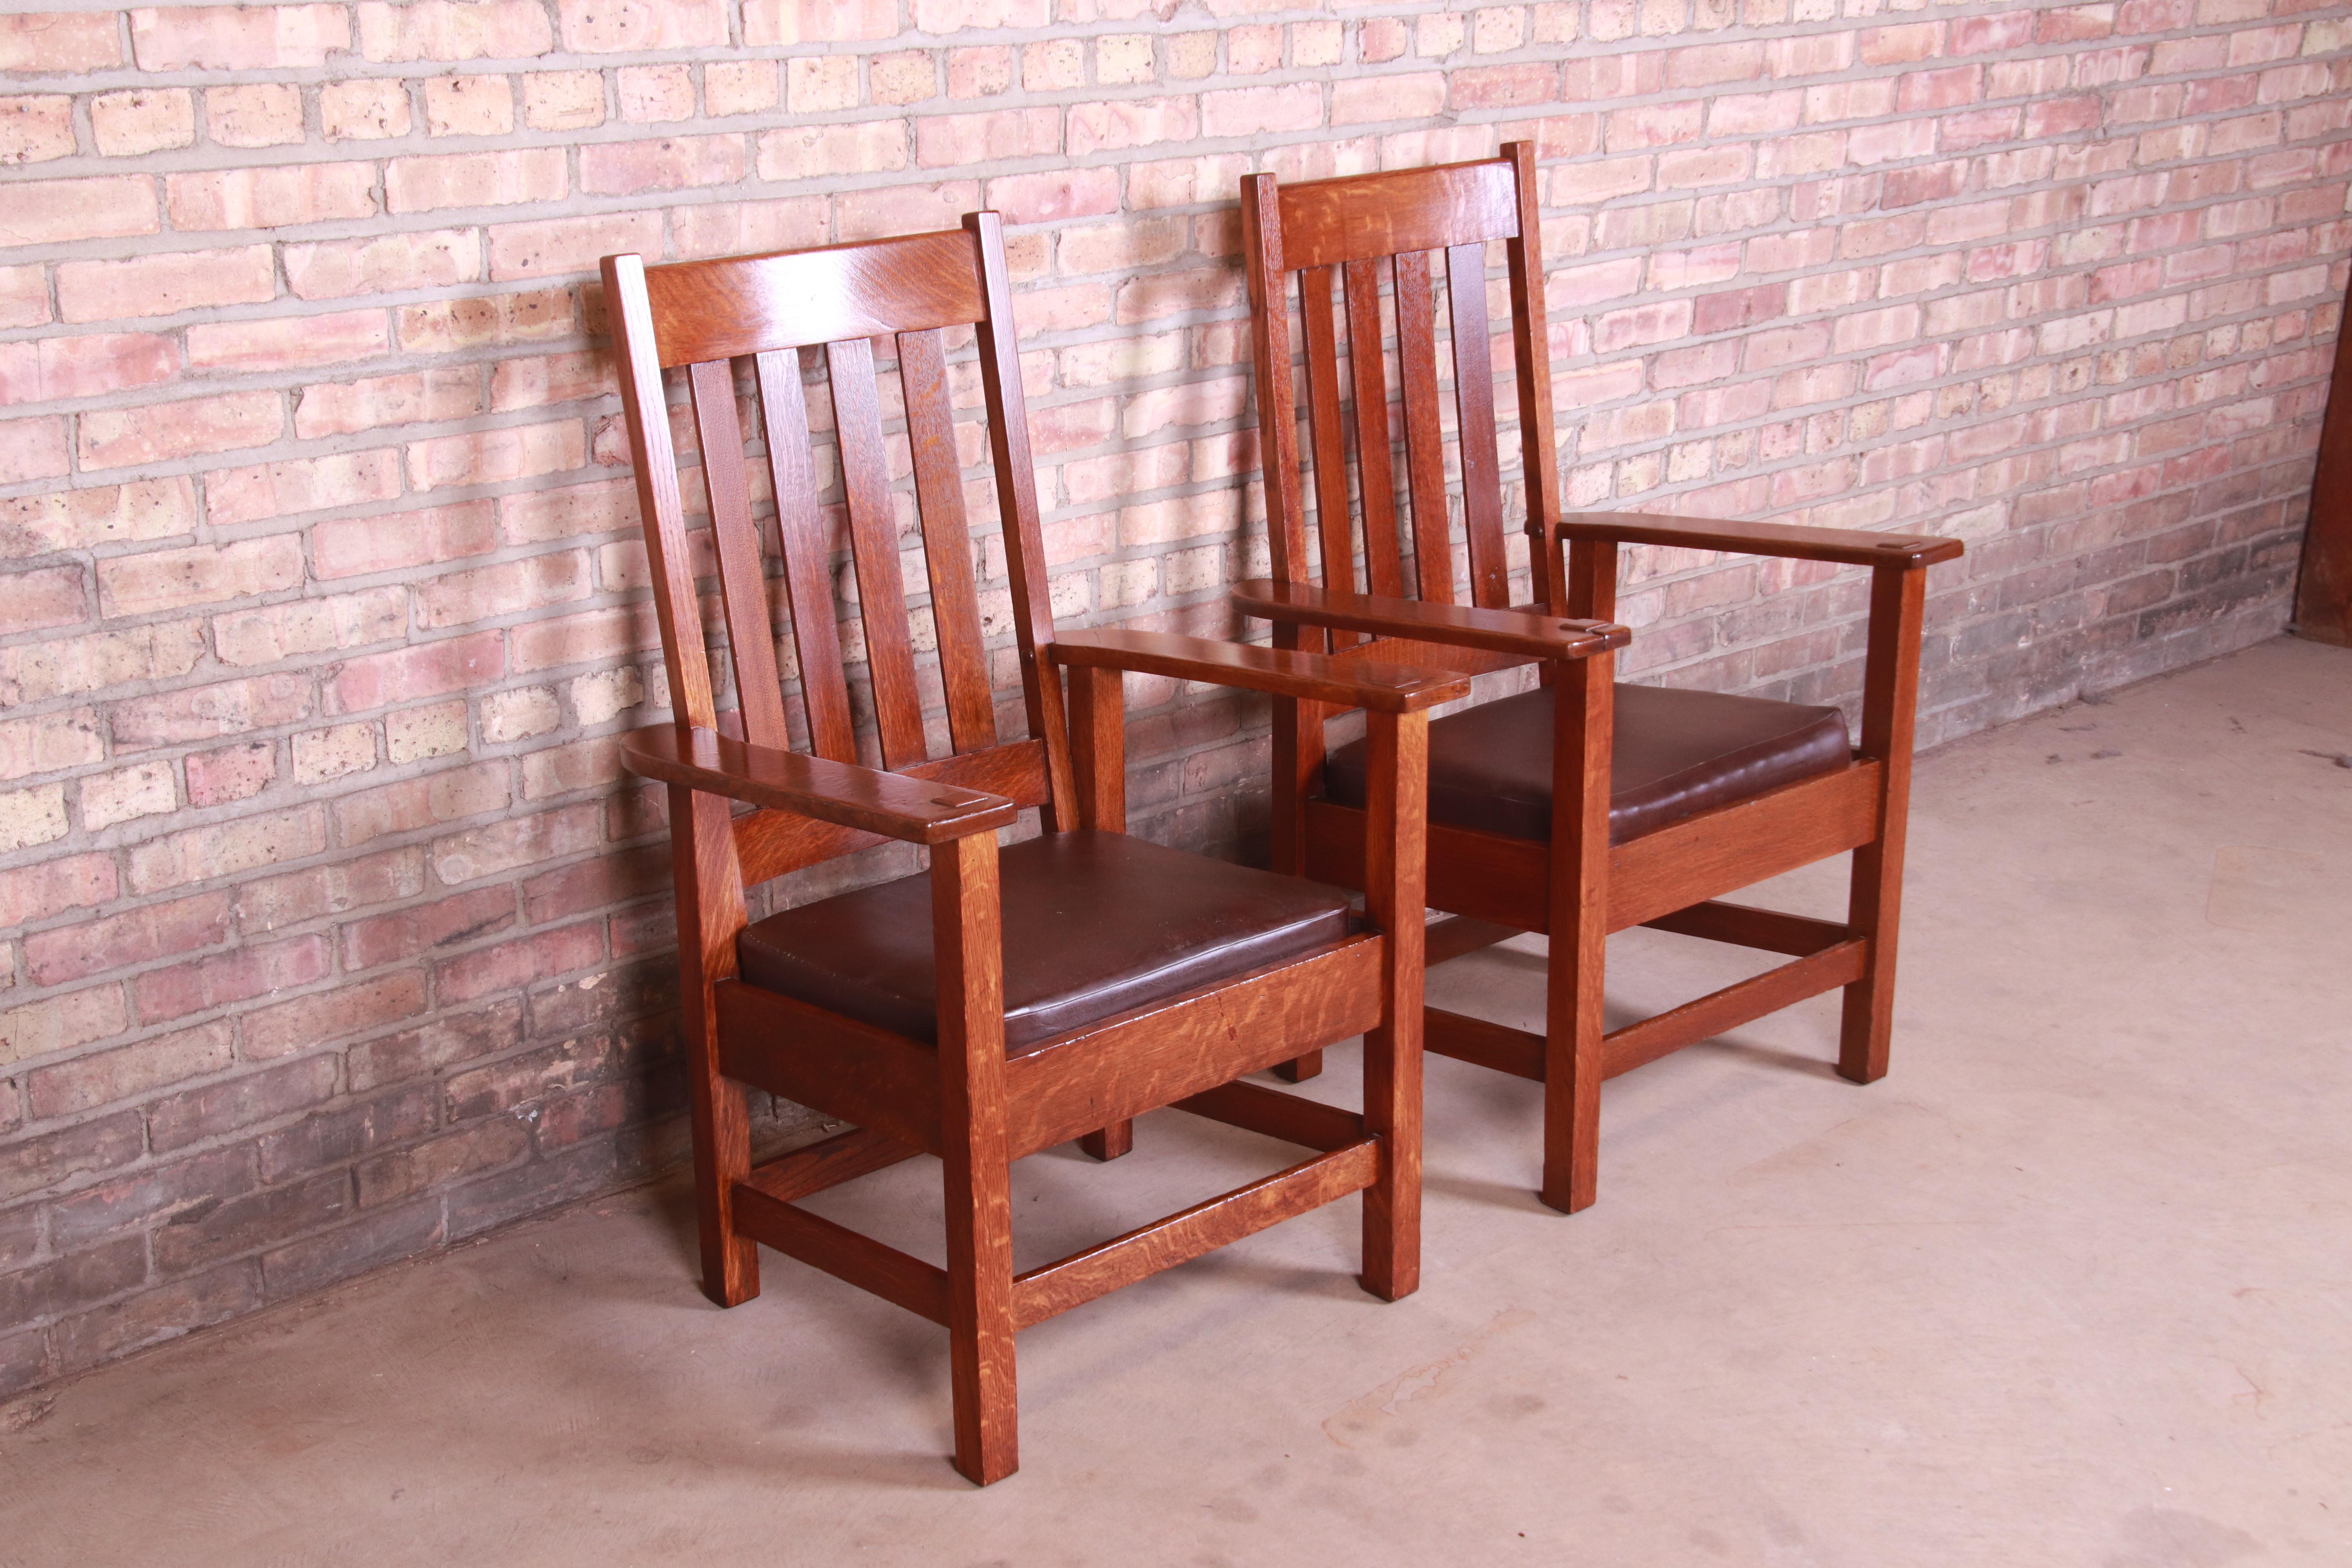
(1890, 703)
(709, 913)
(966, 931)
(1583, 718)
(1396, 848)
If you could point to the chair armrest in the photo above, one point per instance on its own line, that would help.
(1524, 632)
(892, 805)
(1845, 546)
(1312, 677)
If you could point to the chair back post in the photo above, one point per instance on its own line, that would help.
(1016, 501)
(1531, 345)
(1297, 725)
(646, 410)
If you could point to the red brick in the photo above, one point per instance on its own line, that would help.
(58, 42)
(354, 1008)
(232, 773)
(76, 1280)
(476, 179)
(301, 484)
(128, 1072)
(141, 936)
(237, 37)
(159, 432)
(162, 284)
(570, 244)
(194, 1115)
(271, 198)
(675, 163)
(56, 212)
(49, 1161)
(37, 892)
(335, 269)
(428, 669)
(513, 964)
(449, 30)
(607, 26)
(449, 921)
(231, 977)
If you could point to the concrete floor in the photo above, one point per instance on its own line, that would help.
(2072, 1285)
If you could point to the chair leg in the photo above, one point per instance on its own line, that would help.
(1572, 1063)
(722, 1156)
(1578, 913)
(1298, 1070)
(711, 908)
(1866, 1028)
(1110, 1142)
(1395, 891)
(976, 1156)
(1890, 699)
(979, 1313)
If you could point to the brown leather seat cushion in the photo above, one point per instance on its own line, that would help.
(1095, 924)
(1677, 753)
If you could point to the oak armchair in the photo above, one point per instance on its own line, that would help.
(1004, 1001)
(1585, 806)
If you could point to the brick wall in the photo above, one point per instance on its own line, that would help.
(328, 931)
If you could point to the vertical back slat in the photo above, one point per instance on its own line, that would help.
(808, 567)
(1331, 525)
(874, 547)
(1367, 369)
(1016, 500)
(742, 577)
(1473, 400)
(947, 543)
(647, 412)
(1425, 441)
(1531, 345)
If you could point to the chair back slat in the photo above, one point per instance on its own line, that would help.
(1367, 369)
(1354, 224)
(1425, 435)
(1323, 423)
(742, 578)
(873, 550)
(708, 316)
(947, 538)
(808, 571)
(1473, 396)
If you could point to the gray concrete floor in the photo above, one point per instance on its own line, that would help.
(2073, 1285)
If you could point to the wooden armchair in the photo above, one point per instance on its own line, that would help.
(1584, 807)
(998, 1004)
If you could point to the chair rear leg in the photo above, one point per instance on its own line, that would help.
(1298, 1070)
(1110, 1142)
